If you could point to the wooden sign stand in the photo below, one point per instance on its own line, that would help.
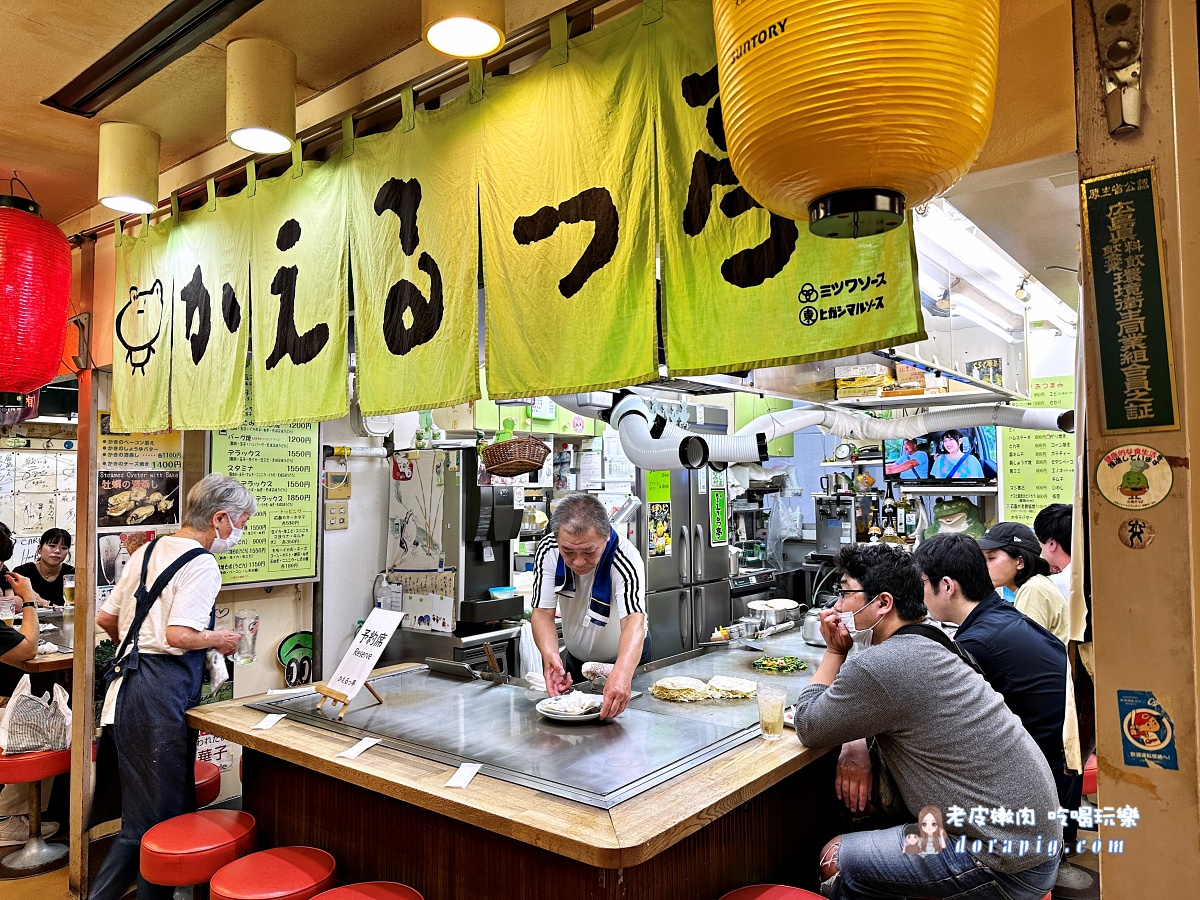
(328, 693)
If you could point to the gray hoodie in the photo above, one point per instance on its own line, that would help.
(946, 737)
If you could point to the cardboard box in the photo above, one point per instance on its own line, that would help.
(906, 374)
(866, 370)
(870, 390)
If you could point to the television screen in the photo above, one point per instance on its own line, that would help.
(954, 454)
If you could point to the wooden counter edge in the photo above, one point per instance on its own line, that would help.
(627, 835)
(47, 662)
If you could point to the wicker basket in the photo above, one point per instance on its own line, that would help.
(515, 457)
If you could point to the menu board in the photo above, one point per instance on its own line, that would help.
(280, 464)
(1039, 466)
(137, 495)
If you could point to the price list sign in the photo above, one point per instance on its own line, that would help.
(280, 464)
(1039, 466)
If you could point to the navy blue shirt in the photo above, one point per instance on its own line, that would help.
(1025, 664)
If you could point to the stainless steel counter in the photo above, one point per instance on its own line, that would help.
(61, 635)
(598, 763)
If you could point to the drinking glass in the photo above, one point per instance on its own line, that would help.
(245, 623)
(69, 589)
(8, 611)
(771, 698)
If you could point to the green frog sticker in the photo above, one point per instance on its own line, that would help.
(1134, 482)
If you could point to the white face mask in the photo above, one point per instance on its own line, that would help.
(860, 636)
(223, 545)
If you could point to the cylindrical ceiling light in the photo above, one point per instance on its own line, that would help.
(128, 179)
(468, 29)
(260, 95)
(845, 111)
(35, 293)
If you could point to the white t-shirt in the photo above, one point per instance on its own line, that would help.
(586, 641)
(187, 600)
(1062, 581)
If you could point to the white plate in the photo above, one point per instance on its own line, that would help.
(563, 717)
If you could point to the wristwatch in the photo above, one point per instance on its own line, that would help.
(27, 604)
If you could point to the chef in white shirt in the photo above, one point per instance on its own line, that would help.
(597, 580)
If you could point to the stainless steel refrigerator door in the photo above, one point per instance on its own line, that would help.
(670, 617)
(708, 563)
(710, 608)
(663, 571)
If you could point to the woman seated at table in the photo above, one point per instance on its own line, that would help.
(46, 572)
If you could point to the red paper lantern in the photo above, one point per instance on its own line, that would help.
(35, 293)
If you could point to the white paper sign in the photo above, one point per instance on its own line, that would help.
(7, 472)
(358, 749)
(590, 476)
(66, 472)
(36, 472)
(364, 652)
(463, 775)
(34, 513)
(617, 466)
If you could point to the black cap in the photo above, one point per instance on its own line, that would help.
(1008, 535)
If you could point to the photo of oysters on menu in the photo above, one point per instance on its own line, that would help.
(137, 498)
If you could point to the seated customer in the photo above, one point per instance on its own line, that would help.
(931, 715)
(20, 646)
(1014, 561)
(1052, 526)
(48, 568)
(1019, 658)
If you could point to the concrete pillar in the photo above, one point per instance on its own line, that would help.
(1144, 596)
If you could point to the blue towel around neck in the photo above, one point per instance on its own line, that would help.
(600, 604)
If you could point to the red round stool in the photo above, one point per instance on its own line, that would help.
(31, 768)
(1089, 776)
(285, 873)
(371, 890)
(189, 849)
(771, 892)
(208, 783)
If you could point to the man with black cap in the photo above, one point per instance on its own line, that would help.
(1014, 561)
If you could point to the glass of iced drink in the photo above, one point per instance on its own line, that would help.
(771, 698)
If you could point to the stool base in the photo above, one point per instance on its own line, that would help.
(34, 858)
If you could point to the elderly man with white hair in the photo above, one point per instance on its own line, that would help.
(597, 580)
(161, 615)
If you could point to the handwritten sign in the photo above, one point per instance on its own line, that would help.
(1039, 466)
(280, 465)
(1133, 325)
(365, 650)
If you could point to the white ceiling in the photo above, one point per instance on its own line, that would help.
(1023, 192)
(46, 43)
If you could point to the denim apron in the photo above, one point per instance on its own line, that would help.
(156, 751)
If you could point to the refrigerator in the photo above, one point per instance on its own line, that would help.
(683, 536)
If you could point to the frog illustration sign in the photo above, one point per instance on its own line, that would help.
(1134, 476)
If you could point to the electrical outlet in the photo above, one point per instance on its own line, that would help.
(337, 515)
(337, 485)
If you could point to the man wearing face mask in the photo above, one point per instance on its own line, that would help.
(161, 615)
(930, 713)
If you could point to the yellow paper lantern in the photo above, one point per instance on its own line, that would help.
(844, 111)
